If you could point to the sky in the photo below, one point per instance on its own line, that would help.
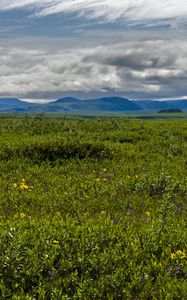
(51, 49)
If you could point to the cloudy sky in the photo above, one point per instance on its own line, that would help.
(88, 48)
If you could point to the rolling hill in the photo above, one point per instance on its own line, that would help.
(100, 105)
(67, 100)
(111, 104)
(92, 106)
(156, 105)
(12, 102)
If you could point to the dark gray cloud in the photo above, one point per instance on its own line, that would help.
(143, 69)
(52, 48)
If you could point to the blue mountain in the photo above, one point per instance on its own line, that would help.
(67, 100)
(156, 105)
(91, 106)
(12, 102)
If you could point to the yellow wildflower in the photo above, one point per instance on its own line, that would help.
(22, 215)
(15, 185)
(97, 179)
(56, 242)
(24, 186)
(104, 170)
(173, 255)
(180, 253)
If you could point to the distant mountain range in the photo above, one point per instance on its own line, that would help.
(12, 102)
(104, 105)
(158, 105)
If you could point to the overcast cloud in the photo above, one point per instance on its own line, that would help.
(157, 67)
(147, 62)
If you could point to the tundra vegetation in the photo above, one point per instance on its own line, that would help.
(93, 209)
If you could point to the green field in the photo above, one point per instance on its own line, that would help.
(93, 209)
(67, 116)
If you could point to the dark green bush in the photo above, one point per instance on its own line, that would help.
(57, 149)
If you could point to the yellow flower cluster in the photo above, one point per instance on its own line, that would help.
(103, 176)
(178, 254)
(56, 242)
(23, 186)
(21, 216)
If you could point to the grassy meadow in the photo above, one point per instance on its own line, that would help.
(93, 209)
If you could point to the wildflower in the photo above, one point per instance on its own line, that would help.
(104, 170)
(24, 186)
(14, 185)
(180, 253)
(56, 242)
(173, 256)
(97, 179)
(22, 215)
(178, 269)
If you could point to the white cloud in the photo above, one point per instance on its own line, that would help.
(148, 68)
(110, 10)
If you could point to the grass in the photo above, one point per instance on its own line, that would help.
(93, 209)
(66, 116)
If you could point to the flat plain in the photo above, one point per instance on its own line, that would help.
(93, 209)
